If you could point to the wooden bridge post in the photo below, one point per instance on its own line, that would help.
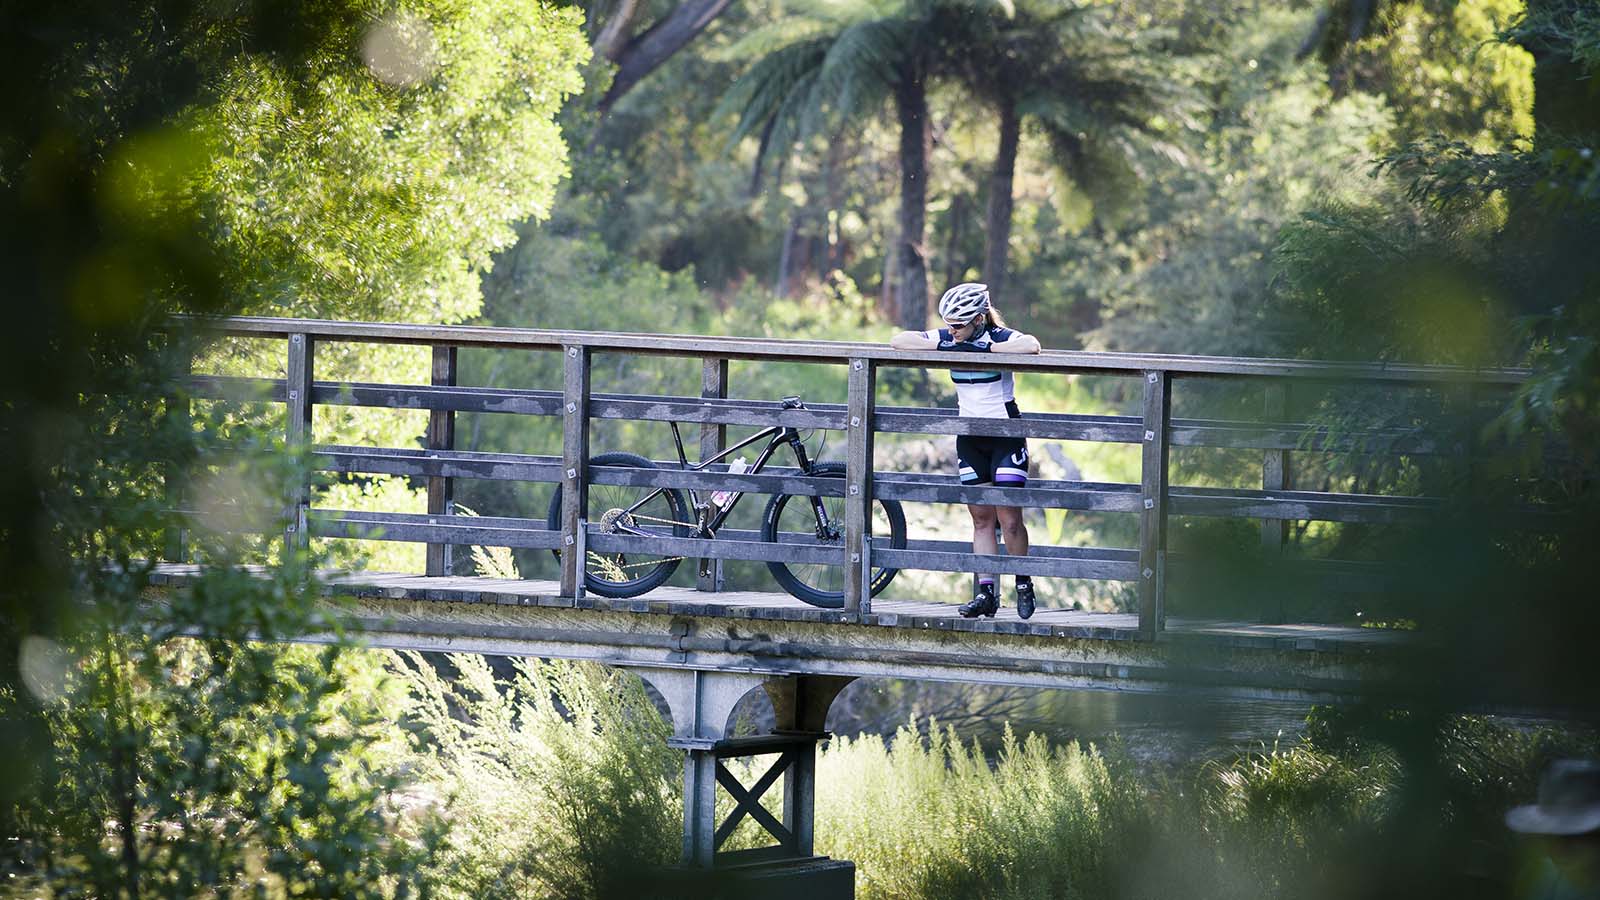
(713, 437)
(858, 492)
(1276, 476)
(574, 466)
(297, 401)
(442, 436)
(1153, 495)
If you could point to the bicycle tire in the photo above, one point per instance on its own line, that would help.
(675, 509)
(816, 595)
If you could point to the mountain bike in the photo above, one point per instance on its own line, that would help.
(664, 512)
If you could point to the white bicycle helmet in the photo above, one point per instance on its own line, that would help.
(963, 303)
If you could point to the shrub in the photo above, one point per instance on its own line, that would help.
(557, 783)
(931, 818)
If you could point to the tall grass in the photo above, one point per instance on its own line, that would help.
(557, 783)
(933, 818)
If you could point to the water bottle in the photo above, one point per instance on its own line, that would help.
(723, 498)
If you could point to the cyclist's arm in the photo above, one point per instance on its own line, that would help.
(1017, 343)
(914, 340)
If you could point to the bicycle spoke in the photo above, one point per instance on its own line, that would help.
(793, 519)
(627, 512)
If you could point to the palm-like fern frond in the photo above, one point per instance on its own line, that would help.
(830, 61)
(860, 64)
(771, 85)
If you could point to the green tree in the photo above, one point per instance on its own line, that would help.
(331, 158)
(1094, 89)
(1190, 269)
(1486, 259)
(1441, 69)
(377, 184)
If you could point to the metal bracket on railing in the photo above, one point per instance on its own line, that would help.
(866, 577)
(582, 550)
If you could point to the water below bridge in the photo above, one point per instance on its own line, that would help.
(1158, 730)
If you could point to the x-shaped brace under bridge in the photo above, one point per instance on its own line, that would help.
(702, 703)
(748, 801)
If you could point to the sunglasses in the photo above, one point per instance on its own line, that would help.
(967, 324)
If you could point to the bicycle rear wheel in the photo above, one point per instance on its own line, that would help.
(621, 573)
(792, 518)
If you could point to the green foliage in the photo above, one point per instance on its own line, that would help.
(1043, 821)
(1282, 816)
(1382, 285)
(1193, 274)
(225, 764)
(557, 781)
(1487, 260)
(1443, 72)
(380, 190)
(377, 184)
(822, 65)
(326, 158)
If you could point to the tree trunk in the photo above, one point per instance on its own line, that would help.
(124, 783)
(781, 288)
(610, 42)
(911, 103)
(997, 219)
(953, 267)
(645, 53)
(886, 290)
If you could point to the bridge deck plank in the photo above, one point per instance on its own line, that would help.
(758, 605)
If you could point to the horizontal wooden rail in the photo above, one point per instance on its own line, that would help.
(923, 488)
(438, 463)
(464, 530)
(1214, 433)
(1098, 563)
(839, 352)
(1087, 566)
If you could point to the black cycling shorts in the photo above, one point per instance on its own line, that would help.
(1002, 460)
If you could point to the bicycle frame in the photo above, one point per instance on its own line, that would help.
(707, 524)
(778, 435)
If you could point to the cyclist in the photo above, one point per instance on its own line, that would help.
(974, 326)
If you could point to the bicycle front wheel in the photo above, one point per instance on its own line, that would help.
(625, 510)
(792, 519)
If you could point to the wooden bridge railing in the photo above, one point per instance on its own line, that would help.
(1154, 499)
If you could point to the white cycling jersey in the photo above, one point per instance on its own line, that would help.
(983, 395)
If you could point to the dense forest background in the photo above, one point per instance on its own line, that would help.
(1357, 179)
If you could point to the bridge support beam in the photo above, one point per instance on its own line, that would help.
(701, 703)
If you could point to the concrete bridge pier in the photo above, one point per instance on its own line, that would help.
(702, 702)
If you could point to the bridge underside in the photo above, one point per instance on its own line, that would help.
(775, 635)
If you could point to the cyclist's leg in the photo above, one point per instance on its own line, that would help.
(984, 519)
(974, 466)
(1011, 470)
(1012, 529)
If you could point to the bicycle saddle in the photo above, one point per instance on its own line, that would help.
(793, 403)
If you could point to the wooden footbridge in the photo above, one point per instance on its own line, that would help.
(704, 648)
